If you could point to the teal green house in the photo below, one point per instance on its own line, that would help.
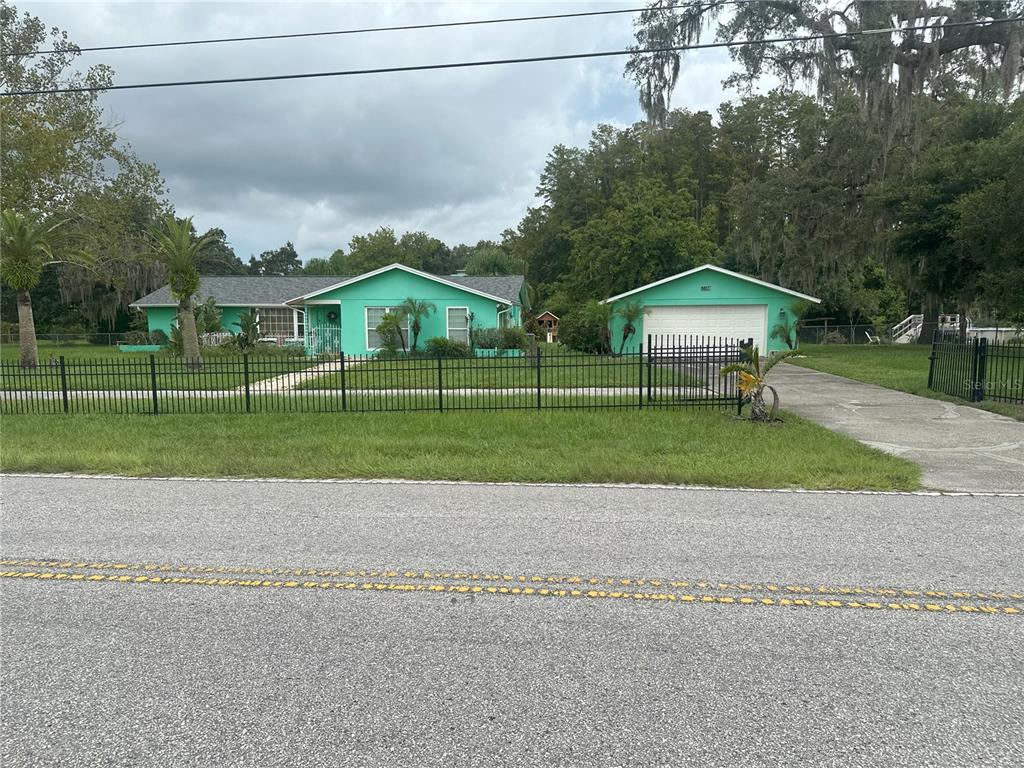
(331, 314)
(708, 301)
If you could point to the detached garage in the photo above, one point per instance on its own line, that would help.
(709, 301)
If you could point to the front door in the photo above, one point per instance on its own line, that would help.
(323, 329)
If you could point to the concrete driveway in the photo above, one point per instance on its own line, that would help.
(958, 447)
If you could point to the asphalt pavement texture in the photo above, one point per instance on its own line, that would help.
(151, 622)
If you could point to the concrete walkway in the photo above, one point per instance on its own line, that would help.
(958, 447)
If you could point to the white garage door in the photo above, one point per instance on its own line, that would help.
(733, 321)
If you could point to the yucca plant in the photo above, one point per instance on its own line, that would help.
(390, 331)
(750, 378)
(248, 330)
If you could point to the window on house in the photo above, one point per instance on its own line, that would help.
(277, 321)
(458, 324)
(373, 317)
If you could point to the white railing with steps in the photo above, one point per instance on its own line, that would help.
(908, 330)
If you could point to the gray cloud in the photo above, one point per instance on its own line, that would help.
(457, 153)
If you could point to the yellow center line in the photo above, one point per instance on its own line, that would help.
(526, 591)
(526, 579)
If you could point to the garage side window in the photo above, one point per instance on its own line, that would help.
(458, 324)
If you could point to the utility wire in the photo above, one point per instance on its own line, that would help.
(363, 30)
(523, 60)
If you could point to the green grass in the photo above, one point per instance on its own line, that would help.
(557, 371)
(903, 367)
(79, 351)
(93, 367)
(687, 447)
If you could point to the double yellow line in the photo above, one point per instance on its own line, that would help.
(533, 580)
(54, 576)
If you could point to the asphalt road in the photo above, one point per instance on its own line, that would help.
(758, 635)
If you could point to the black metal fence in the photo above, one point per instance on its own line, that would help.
(666, 372)
(977, 370)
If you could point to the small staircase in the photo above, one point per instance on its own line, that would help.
(908, 330)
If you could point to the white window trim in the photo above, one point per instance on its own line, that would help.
(447, 323)
(366, 324)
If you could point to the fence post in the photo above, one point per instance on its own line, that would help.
(341, 357)
(152, 382)
(245, 373)
(981, 360)
(649, 369)
(64, 383)
(538, 376)
(440, 388)
(640, 367)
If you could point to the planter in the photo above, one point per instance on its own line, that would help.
(498, 352)
(139, 347)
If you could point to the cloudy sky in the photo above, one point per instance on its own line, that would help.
(456, 153)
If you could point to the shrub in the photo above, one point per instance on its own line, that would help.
(485, 338)
(511, 338)
(834, 337)
(585, 329)
(136, 337)
(440, 346)
(159, 337)
(499, 338)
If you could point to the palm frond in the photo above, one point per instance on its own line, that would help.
(775, 358)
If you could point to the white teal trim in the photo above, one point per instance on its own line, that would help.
(720, 270)
(404, 268)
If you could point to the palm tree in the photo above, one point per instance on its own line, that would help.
(750, 378)
(630, 314)
(416, 310)
(173, 245)
(27, 246)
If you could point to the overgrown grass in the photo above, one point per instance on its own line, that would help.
(903, 367)
(689, 447)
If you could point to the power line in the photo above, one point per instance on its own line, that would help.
(523, 60)
(359, 31)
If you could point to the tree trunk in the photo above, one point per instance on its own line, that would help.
(929, 319)
(758, 409)
(29, 352)
(189, 337)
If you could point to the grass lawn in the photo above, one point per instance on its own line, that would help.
(903, 367)
(557, 371)
(94, 367)
(688, 447)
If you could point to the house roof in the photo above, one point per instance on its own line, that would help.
(721, 270)
(254, 291)
(511, 285)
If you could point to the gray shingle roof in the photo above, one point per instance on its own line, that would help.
(270, 291)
